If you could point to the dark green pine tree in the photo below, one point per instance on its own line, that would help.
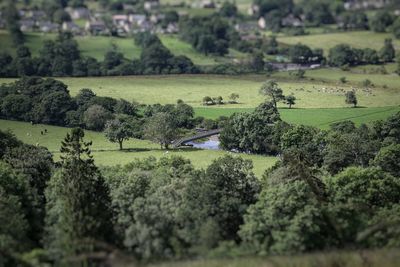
(78, 210)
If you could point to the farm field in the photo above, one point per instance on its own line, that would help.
(357, 39)
(97, 46)
(89, 45)
(178, 47)
(320, 89)
(320, 118)
(107, 153)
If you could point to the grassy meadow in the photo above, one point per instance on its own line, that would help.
(320, 89)
(319, 117)
(320, 95)
(107, 153)
(97, 46)
(357, 39)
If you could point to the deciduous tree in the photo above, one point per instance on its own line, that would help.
(271, 90)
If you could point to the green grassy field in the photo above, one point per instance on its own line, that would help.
(358, 39)
(93, 46)
(97, 46)
(106, 153)
(320, 118)
(320, 89)
(177, 47)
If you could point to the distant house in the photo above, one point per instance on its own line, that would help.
(128, 7)
(36, 15)
(156, 18)
(71, 27)
(27, 25)
(78, 13)
(292, 21)
(145, 26)
(262, 23)
(120, 20)
(22, 13)
(365, 4)
(96, 27)
(151, 5)
(137, 19)
(48, 27)
(249, 37)
(246, 27)
(98, 15)
(172, 28)
(253, 10)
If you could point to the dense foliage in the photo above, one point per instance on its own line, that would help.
(209, 35)
(62, 57)
(48, 101)
(343, 54)
(330, 189)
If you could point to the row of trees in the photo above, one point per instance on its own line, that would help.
(343, 54)
(48, 101)
(330, 189)
(161, 124)
(62, 57)
(209, 101)
(339, 55)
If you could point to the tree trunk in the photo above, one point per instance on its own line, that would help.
(120, 144)
(290, 106)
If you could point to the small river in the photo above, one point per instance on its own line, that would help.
(209, 144)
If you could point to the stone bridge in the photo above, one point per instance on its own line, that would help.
(200, 135)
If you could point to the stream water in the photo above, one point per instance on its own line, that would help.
(209, 144)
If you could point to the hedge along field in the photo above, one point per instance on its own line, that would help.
(357, 39)
(107, 153)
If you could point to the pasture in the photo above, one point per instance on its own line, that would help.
(107, 153)
(97, 46)
(320, 117)
(357, 39)
(320, 88)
